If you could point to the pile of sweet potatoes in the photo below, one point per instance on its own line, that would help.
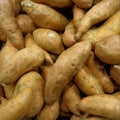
(60, 59)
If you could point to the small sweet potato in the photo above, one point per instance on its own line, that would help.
(34, 81)
(115, 73)
(71, 98)
(65, 67)
(98, 70)
(85, 4)
(48, 40)
(49, 112)
(69, 34)
(17, 106)
(102, 105)
(25, 23)
(8, 25)
(87, 82)
(44, 16)
(108, 49)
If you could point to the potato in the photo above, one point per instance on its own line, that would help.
(97, 68)
(108, 49)
(108, 28)
(115, 73)
(25, 23)
(17, 106)
(23, 61)
(102, 105)
(34, 81)
(87, 82)
(65, 67)
(48, 40)
(49, 112)
(71, 98)
(44, 16)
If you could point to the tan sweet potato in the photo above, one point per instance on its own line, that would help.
(98, 70)
(87, 82)
(16, 6)
(29, 41)
(55, 3)
(48, 40)
(9, 89)
(8, 25)
(49, 112)
(108, 49)
(102, 105)
(71, 98)
(44, 16)
(85, 4)
(96, 15)
(115, 73)
(77, 15)
(117, 94)
(69, 35)
(17, 106)
(25, 23)
(34, 81)
(23, 61)
(64, 69)
(2, 37)
(110, 27)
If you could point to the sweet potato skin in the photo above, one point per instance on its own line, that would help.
(115, 73)
(87, 82)
(55, 3)
(67, 65)
(8, 25)
(102, 105)
(96, 15)
(21, 63)
(44, 16)
(35, 81)
(48, 40)
(108, 49)
(110, 27)
(25, 23)
(17, 106)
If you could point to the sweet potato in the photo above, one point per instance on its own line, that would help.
(44, 16)
(117, 94)
(49, 112)
(96, 15)
(25, 23)
(98, 70)
(64, 69)
(77, 15)
(2, 37)
(16, 6)
(23, 61)
(29, 41)
(17, 106)
(8, 25)
(69, 35)
(85, 4)
(110, 27)
(108, 49)
(48, 40)
(74, 117)
(34, 81)
(102, 105)
(87, 82)
(115, 73)
(71, 98)
(9, 89)
(55, 3)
